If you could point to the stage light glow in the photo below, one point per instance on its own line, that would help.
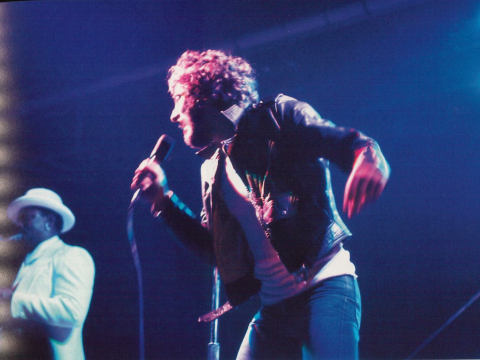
(5, 78)
(4, 220)
(6, 185)
(10, 345)
(6, 128)
(7, 155)
(3, 22)
(4, 100)
(4, 311)
(7, 275)
(4, 54)
(8, 121)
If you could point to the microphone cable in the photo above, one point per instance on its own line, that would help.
(136, 260)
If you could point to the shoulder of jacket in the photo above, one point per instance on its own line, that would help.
(276, 105)
(68, 252)
(282, 98)
(276, 100)
(283, 104)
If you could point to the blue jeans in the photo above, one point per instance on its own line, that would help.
(320, 323)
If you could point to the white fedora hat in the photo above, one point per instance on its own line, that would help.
(43, 198)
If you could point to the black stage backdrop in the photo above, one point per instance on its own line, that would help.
(88, 99)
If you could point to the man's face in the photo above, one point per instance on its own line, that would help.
(33, 223)
(194, 122)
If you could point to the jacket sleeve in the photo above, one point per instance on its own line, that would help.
(188, 230)
(73, 277)
(306, 133)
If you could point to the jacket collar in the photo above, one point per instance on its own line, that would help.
(234, 113)
(45, 248)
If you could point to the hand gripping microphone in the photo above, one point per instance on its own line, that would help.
(160, 153)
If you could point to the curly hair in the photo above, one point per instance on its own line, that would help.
(215, 76)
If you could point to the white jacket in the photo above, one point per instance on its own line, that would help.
(54, 286)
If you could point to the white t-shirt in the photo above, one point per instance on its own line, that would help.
(277, 283)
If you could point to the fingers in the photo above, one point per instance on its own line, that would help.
(356, 196)
(367, 180)
(146, 173)
(360, 192)
(142, 180)
(349, 196)
(151, 180)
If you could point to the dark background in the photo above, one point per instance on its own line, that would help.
(89, 100)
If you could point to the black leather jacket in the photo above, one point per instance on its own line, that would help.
(281, 150)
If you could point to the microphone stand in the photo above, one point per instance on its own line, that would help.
(214, 346)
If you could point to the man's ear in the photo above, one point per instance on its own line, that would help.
(51, 220)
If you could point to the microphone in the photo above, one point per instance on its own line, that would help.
(160, 153)
(162, 148)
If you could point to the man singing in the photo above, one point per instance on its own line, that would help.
(55, 282)
(269, 220)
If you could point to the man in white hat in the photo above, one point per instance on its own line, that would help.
(55, 282)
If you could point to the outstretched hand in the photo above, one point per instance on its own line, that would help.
(367, 180)
(151, 180)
